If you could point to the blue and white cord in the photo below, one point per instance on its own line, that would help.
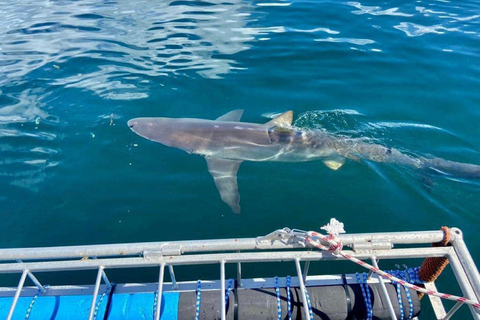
(366, 294)
(289, 298)
(227, 294)
(279, 302)
(309, 303)
(199, 297)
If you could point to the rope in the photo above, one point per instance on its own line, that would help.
(279, 302)
(366, 294)
(155, 303)
(399, 295)
(289, 299)
(309, 303)
(99, 303)
(336, 247)
(227, 294)
(404, 276)
(34, 299)
(199, 296)
(411, 275)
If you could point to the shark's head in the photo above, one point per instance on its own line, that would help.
(177, 133)
(155, 129)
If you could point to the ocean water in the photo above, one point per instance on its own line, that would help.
(72, 73)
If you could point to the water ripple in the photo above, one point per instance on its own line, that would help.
(360, 42)
(377, 11)
(169, 38)
(416, 30)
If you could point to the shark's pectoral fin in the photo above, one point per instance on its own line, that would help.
(234, 115)
(335, 163)
(283, 120)
(224, 173)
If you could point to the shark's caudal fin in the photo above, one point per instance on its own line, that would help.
(452, 168)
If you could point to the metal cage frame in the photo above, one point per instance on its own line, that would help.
(270, 248)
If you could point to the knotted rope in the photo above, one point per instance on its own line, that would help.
(335, 246)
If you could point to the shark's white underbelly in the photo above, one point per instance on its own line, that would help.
(280, 153)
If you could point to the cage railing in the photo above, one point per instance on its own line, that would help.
(270, 248)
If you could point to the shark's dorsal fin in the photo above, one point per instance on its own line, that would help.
(285, 120)
(224, 173)
(234, 115)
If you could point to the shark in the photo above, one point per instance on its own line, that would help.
(226, 142)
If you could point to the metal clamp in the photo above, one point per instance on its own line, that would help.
(369, 246)
(165, 250)
(285, 236)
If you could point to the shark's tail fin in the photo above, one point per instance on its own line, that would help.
(457, 169)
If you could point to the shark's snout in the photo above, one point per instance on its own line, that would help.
(155, 129)
(132, 123)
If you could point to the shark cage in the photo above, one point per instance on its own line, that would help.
(370, 293)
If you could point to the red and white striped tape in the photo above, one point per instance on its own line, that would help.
(336, 247)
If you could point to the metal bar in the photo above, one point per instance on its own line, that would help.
(466, 260)
(17, 294)
(302, 288)
(384, 290)
(160, 291)
(104, 276)
(216, 258)
(452, 311)
(136, 249)
(305, 270)
(95, 292)
(34, 279)
(105, 279)
(436, 302)
(222, 290)
(172, 276)
(463, 282)
(371, 273)
(239, 274)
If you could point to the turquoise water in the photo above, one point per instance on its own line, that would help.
(403, 74)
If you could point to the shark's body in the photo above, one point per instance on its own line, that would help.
(226, 142)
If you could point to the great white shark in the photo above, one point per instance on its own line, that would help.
(226, 143)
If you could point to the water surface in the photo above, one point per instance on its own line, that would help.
(73, 73)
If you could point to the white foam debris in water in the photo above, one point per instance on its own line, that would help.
(447, 50)
(376, 50)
